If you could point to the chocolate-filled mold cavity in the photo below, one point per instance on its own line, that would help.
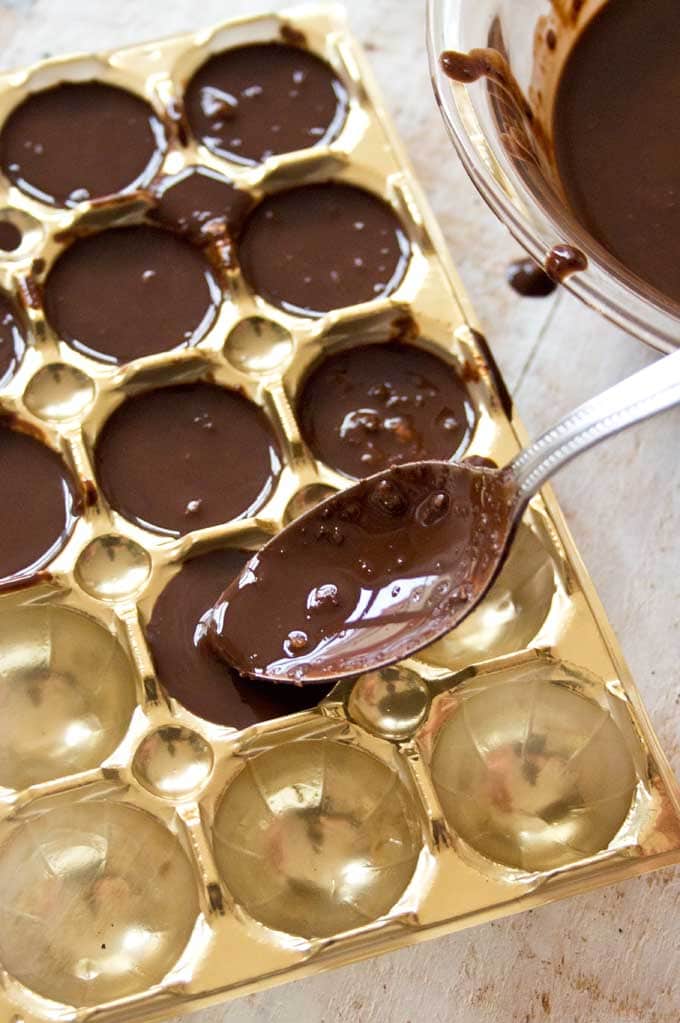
(173, 762)
(59, 392)
(259, 100)
(39, 504)
(182, 458)
(79, 141)
(316, 838)
(130, 292)
(511, 614)
(85, 915)
(532, 773)
(67, 693)
(315, 248)
(366, 408)
(305, 500)
(10, 236)
(186, 666)
(12, 338)
(201, 204)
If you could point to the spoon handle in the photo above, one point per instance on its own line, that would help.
(638, 397)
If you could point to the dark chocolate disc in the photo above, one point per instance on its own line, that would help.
(12, 338)
(320, 247)
(79, 141)
(254, 101)
(201, 204)
(182, 458)
(130, 292)
(374, 406)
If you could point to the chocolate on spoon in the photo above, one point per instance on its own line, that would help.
(388, 566)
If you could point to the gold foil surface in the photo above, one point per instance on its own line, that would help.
(152, 862)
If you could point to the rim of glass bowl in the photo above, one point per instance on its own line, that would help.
(605, 287)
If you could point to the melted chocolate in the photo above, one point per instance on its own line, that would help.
(80, 141)
(130, 292)
(253, 101)
(320, 247)
(12, 338)
(188, 668)
(369, 576)
(529, 279)
(564, 260)
(617, 136)
(38, 507)
(365, 409)
(183, 458)
(10, 236)
(201, 204)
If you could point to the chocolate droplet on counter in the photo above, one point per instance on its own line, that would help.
(189, 669)
(79, 141)
(12, 338)
(377, 405)
(529, 280)
(38, 507)
(255, 101)
(201, 204)
(320, 247)
(130, 292)
(564, 260)
(183, 458)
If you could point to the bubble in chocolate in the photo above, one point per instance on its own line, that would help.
(191, 672)
(182, 458)
(201, 204)
(130, 292)
(254, 101)
(320, 247)
(81, 140)
(38, 507)
(12, 338)
(365, 409)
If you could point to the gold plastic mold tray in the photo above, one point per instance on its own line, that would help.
(151, 861)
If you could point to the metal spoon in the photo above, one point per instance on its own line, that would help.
(380, 570)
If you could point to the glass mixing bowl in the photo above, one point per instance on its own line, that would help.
(502, 135)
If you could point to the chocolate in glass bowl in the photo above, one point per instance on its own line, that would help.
(182, 458)
(616, 130)
(130, 292)
(12, 338)
(189, 669)
(201, 204)
(315, 248)
(373, 406)
(39, 503)
(255, 101)
(81, 140)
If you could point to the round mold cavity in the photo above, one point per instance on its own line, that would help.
(173, 762)
(370, 406)
(315, 837)
(98, 901)
(78, 141)
(306, 499)
(67, 693)
(532, 774)
(318, 247)
(251, 102)
(112, 567)
(258, 345)
(512, 613)
(391, 703)
(19, 233)
(59, 392)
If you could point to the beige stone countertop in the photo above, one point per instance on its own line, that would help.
(612, 956)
